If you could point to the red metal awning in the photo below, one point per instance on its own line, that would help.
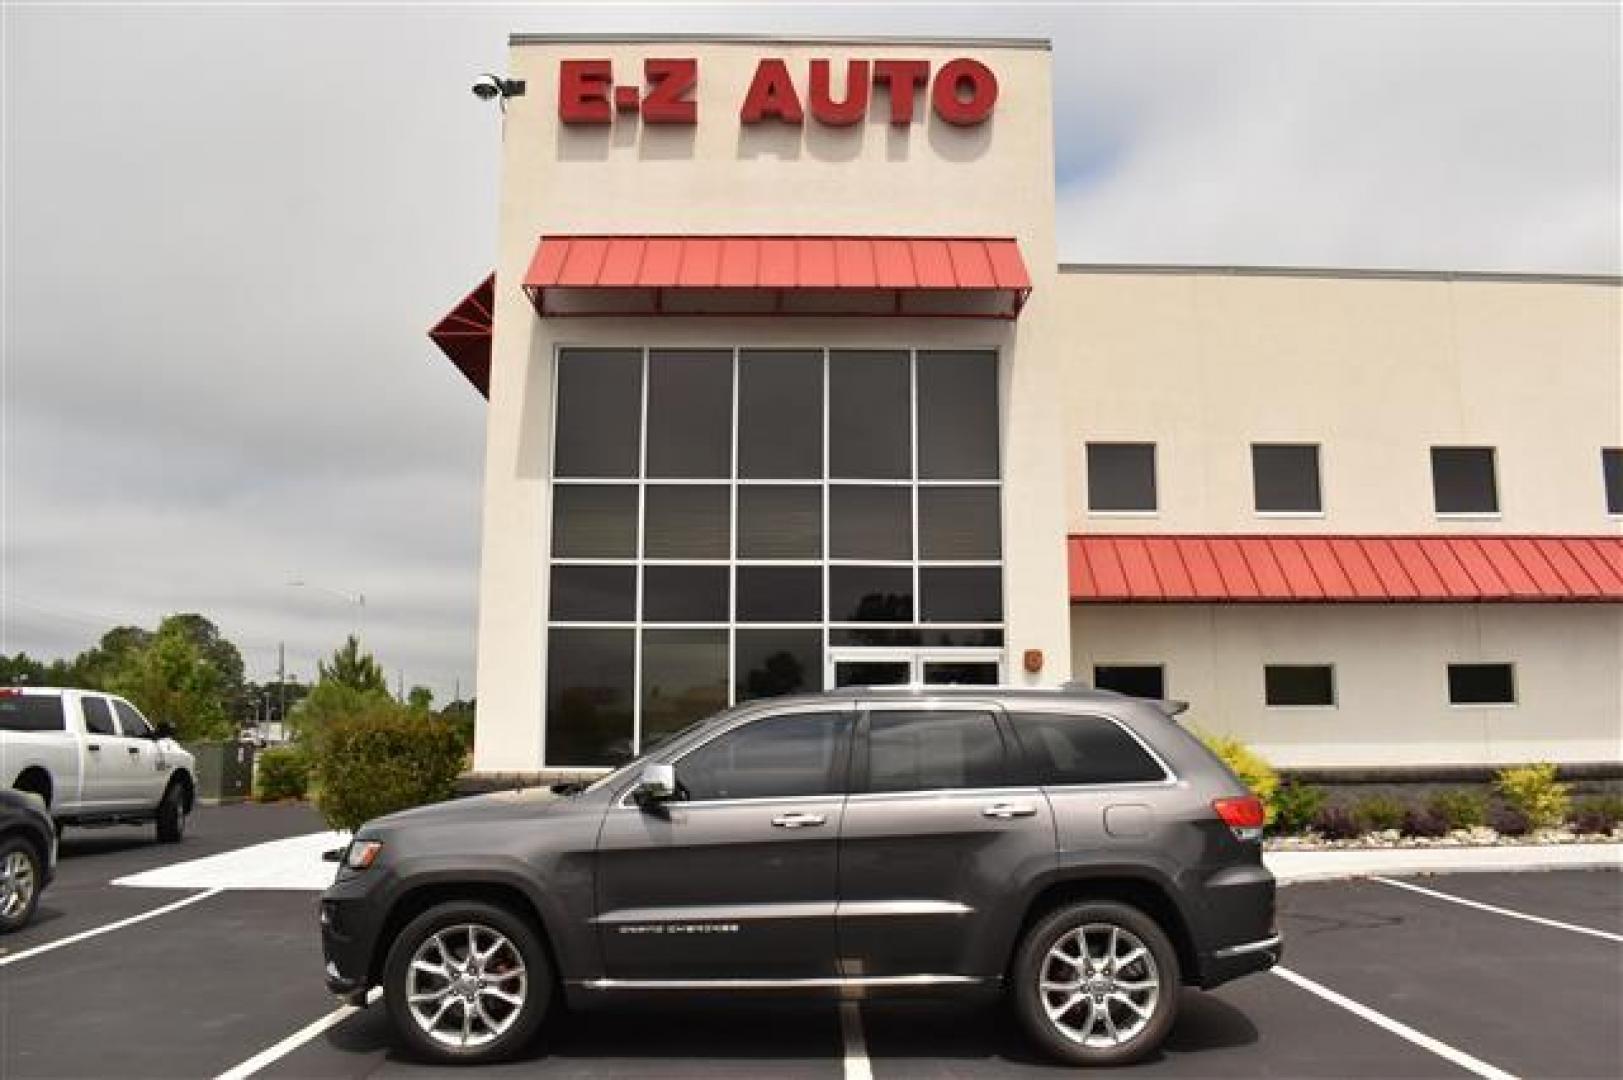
(962, 277)
(464, 334)
(1345, 569)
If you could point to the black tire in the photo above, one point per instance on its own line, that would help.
(17, 853)
(536, 987)
(171, 819)
(1034, 963)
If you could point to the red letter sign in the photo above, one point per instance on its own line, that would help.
(771, 96)
(840, 113)
(583, 91)
(669, 83)
(964, 74)
(902, 76)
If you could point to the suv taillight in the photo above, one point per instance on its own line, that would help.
(1243, 814)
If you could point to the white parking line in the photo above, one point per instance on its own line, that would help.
(295, 1040)
(857, 1066)
(74, 939)
(1541, 920)
(1396, 1027)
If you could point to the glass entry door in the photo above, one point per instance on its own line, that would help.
(917, 667)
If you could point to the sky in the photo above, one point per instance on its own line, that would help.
(226, 229)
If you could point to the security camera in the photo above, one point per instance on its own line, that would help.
(487, 87)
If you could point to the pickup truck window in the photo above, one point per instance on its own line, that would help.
(1082, 750)
(779, 756)
(132, 723)
(31, 712)
(98, 717)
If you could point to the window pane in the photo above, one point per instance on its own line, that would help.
(1082, 750)
(686, 522)
(960, 673)
(1481, 684)
(130, 722)
(770, 663)
(594, 522)
(38, 712)
(98, 715)
(599, 420)
(961, 594)
(869, 416)
(958, 416)
(684, 678)
(780, 594)
(690, 413)
(776, 757)
(870, 594)
(780, 522)
(684, 593)
(1611, 467)
(589, 688)
(593, 593)
(780, 415)
(1134, 680)
(1299, 684)
(870, 522)
(960, 523)
(931, 751)
(1121, 476)
(872, 673)
(1462, 480)
(1286, 478)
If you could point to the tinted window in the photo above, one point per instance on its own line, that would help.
(780, 522)
(1611, 467)
(1082, 750)
(870, 430)
(930, 751)
(684, 593)
(594, 522)
(870, 522)
(1462, 480)
(1285, 478)
(130, 722)
(960, 673)
(780, 594)
(1121, 476)
(1134, 680)
(599, 413)
(958, 416)
(687, 522)
(690, 414)
(780, 415)
(684, 678)
(589, 696)
(770, 663)
(593, 593)
(960, 523)
(1481, 684)
(776, 757)
(961, 594)
(98, 716)
(1299, 684)
(33, 712)
(870, 594)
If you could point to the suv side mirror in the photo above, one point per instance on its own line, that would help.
(657, 784)
(164, 730)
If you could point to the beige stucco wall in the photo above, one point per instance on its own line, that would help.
(1390, 673)
(719, 178)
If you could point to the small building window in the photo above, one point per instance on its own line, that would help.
(1285, 478)
(1611, 467)
(1481, 684)
(1134, 680)
(1462, 480)
(1299, 685)
(1121, 477)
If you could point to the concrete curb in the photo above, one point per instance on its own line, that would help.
(1291, 867)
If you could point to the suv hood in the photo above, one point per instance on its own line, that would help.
(529, 803)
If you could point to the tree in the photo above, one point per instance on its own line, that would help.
(352, 668)
(170, 679)
(220, 653)
(420, 698)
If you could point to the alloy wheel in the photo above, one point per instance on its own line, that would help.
(466, 985)
(1099, 985)
(17, 884)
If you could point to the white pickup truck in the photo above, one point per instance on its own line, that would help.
(94, 759)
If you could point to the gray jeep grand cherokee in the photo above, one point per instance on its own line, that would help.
(1077, 850)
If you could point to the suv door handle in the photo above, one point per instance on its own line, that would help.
(798, 821)
(133, 749)
(1009, 810)
(93, 746)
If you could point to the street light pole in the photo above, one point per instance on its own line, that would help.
(356, 598)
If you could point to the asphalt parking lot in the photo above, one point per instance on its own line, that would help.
(1383, 981)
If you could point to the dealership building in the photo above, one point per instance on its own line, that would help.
(788, 389)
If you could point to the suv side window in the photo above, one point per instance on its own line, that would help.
(1079, 749)
(30, 712)
(132, 723)
(779, 756)
(98, 717)
(933, 751)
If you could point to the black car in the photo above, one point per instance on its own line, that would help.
(27, 856)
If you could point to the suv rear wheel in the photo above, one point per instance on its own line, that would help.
(19, 882)
(1097, 983)
(467, 982)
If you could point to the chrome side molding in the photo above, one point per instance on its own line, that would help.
(829, 983)
(1249, 947)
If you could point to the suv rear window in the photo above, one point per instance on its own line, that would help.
(1072, 749)
(31, 712)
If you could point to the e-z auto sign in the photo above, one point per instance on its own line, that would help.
(961, 91)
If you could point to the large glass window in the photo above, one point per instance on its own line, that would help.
(591, 521)
(599, 429)
(777, 757)
(958, 428)
(690, 414)
(780, 415)
(590, 696)
(684, 678)
(870, 425)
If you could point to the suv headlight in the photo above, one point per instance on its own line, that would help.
(361, 854)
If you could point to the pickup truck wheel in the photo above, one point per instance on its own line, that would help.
(467, 982)
(19, 883)
(1097, 984)
(172, 815)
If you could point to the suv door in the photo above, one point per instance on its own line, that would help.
(939, 833)
(735, 878)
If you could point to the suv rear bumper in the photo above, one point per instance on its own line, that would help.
(1229, 963)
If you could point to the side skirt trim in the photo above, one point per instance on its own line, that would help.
(830, 983)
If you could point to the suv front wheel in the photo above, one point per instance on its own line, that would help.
(467, 982)
(1097, 983)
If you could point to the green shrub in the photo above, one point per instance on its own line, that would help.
(1534, 790)
(1379, 813)
(1461, 808)
(283, 772)
(384, 759)
(1254, 772)
(1294, 806)
(1599, 814)
(1338, 823)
